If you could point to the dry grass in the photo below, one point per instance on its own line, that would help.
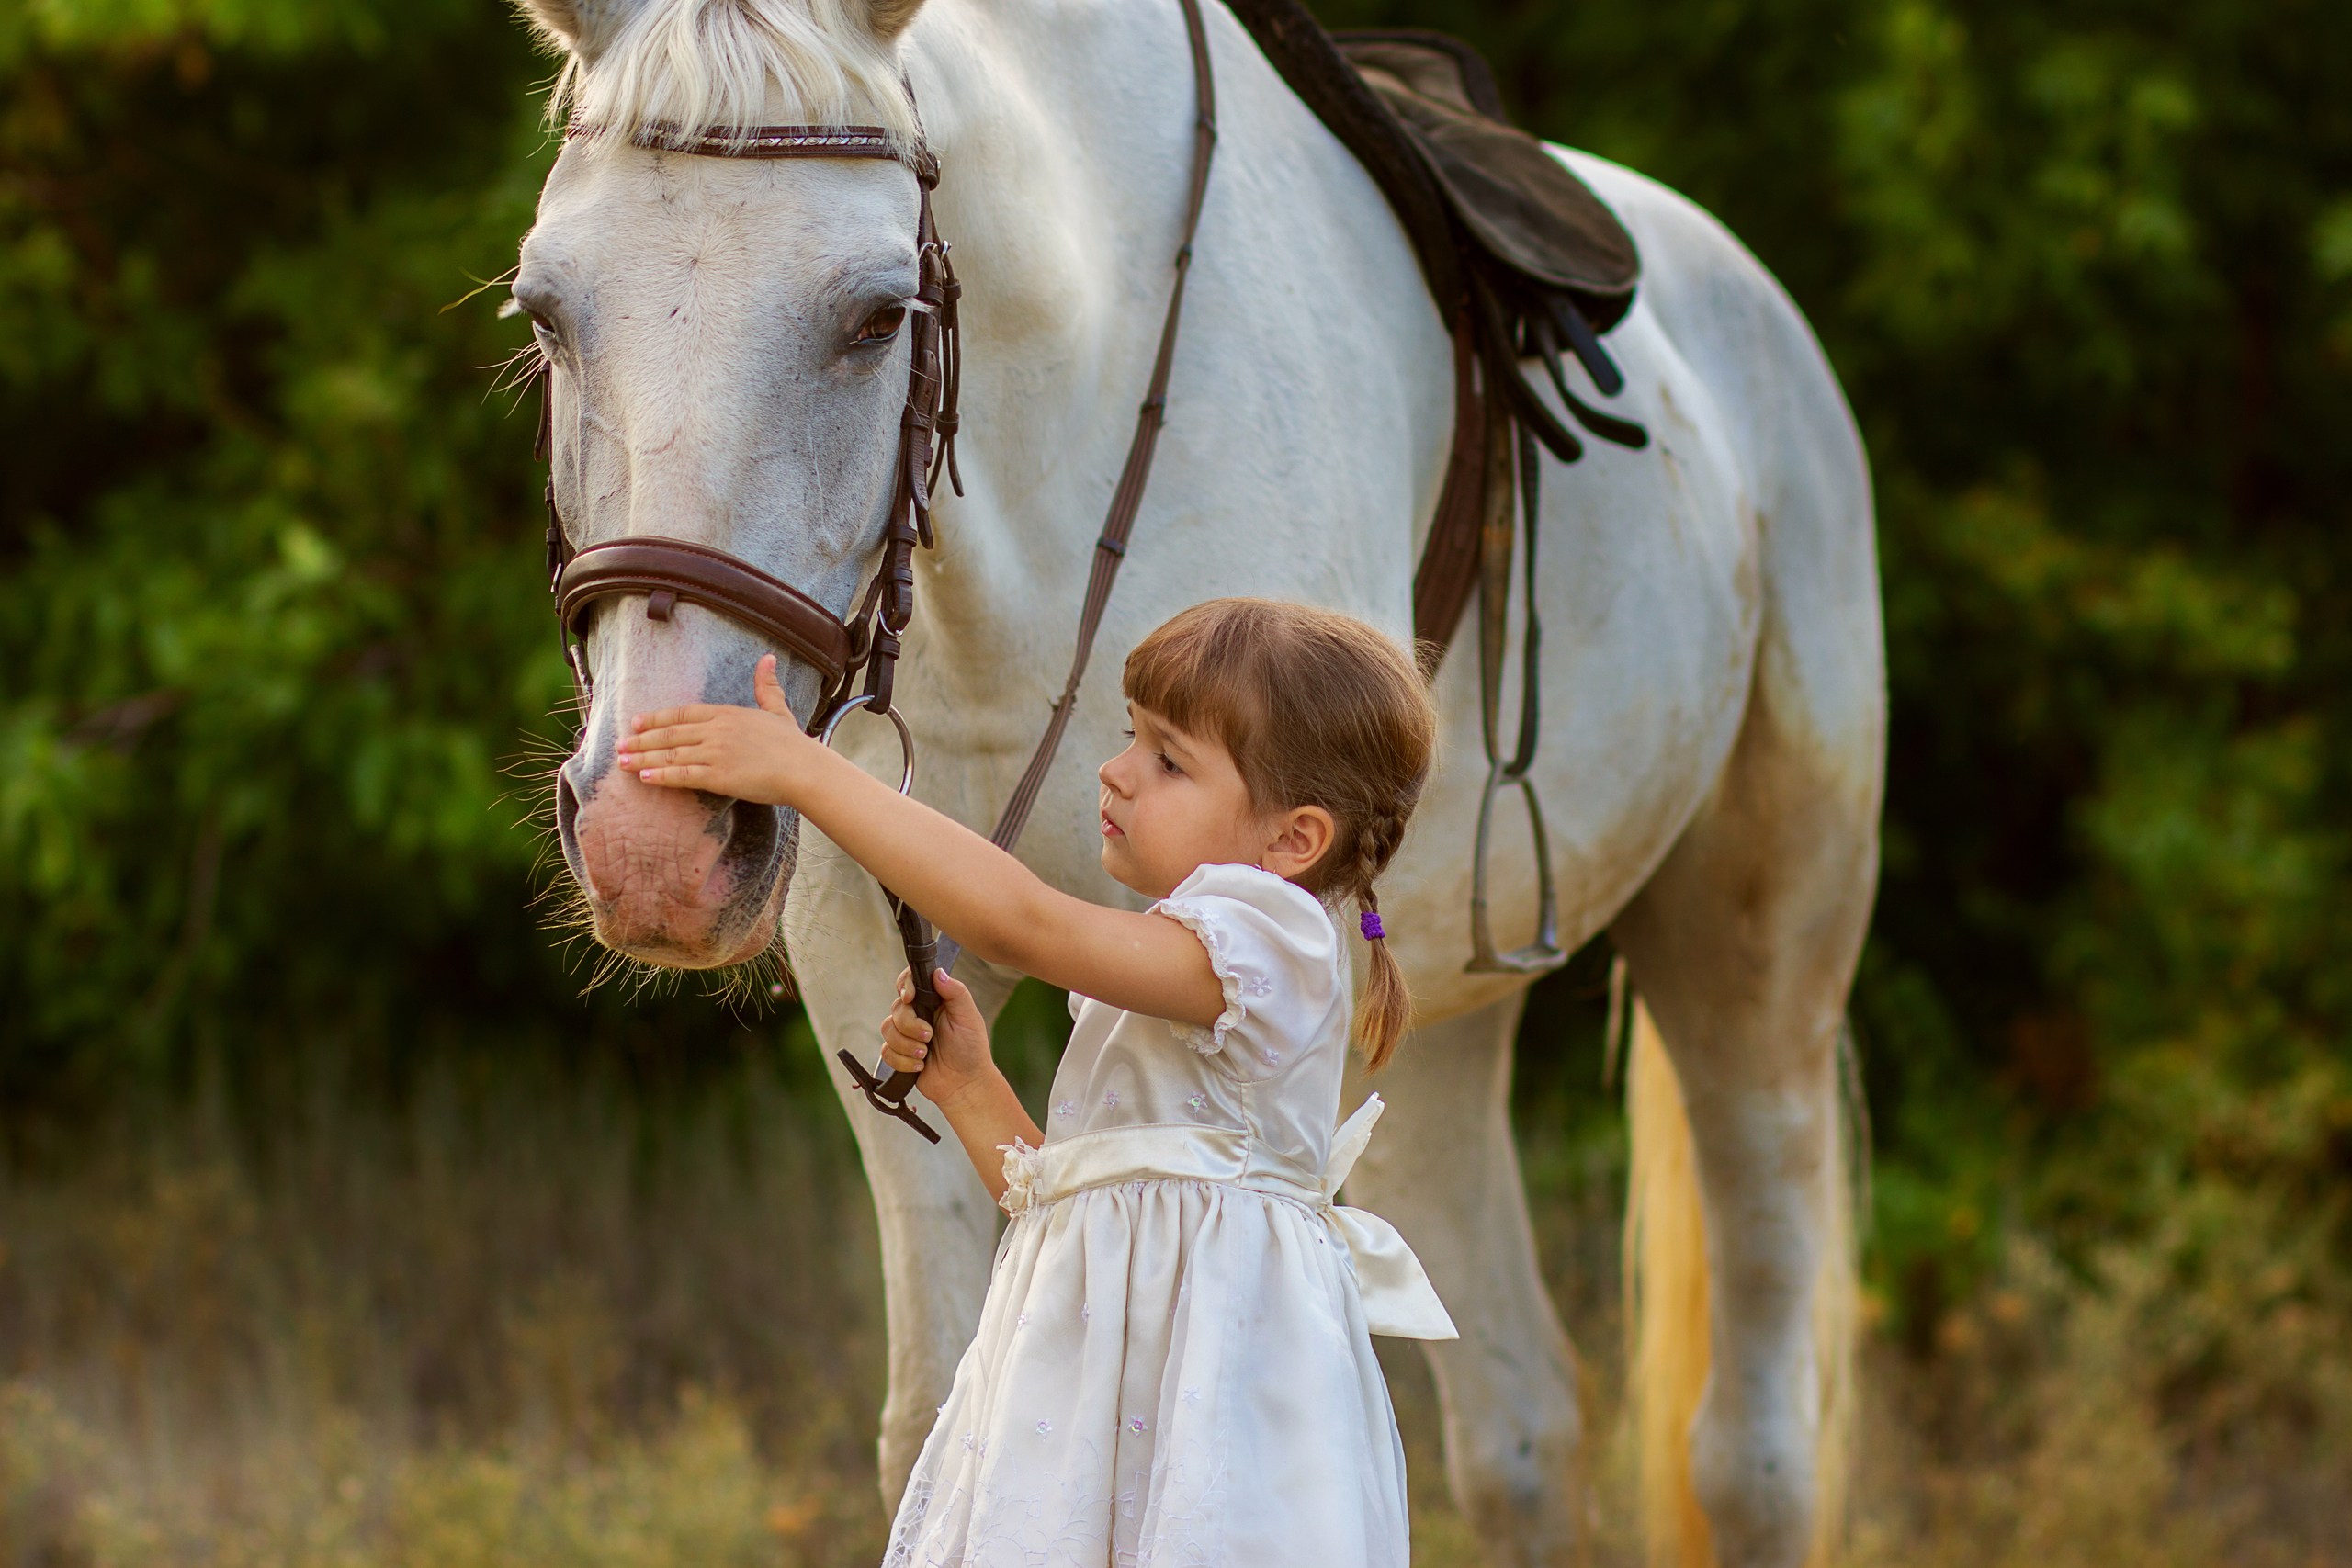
(694, 1488)
(520, 1318)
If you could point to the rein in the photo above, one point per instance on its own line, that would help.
(868, 641)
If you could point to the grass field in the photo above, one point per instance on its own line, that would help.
(510, 1317)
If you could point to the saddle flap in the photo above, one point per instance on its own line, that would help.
(1522, 205)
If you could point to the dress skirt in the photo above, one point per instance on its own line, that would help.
(1168, 1373)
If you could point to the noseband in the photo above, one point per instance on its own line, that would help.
(666, 570)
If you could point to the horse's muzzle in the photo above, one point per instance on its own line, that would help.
(674, 877)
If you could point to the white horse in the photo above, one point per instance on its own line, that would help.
(1711, 754)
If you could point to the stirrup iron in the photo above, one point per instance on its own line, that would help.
(1544, 953)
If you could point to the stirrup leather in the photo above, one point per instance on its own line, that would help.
(1504, 504)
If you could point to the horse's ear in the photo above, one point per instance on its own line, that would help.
(582, 27)
(888, 18)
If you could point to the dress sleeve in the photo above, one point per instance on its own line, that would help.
(1276, 956)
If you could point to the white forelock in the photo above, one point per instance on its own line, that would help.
(705, 65)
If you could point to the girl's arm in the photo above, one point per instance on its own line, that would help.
(976, 892)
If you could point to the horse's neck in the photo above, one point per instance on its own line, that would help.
(1063, 132)
(1298, 461)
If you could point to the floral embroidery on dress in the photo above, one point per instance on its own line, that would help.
(913, 1512)
(1110, 1099)
(1198, 1102)
(1167, 1516)
(1066, 1108)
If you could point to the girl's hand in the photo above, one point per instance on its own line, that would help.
(749, 754)
(952, 1052)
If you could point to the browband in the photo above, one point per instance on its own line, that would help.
(783, 141)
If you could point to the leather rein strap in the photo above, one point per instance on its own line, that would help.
(1111, 546)
(666, 570)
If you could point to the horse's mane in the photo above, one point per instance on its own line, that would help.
(705, 65)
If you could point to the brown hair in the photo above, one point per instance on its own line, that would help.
(1316, 708)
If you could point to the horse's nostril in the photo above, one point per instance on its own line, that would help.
(751, 837)
(567, 807)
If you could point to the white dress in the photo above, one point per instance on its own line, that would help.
(1174, 1366)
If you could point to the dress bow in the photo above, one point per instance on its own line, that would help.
(1399, 1299)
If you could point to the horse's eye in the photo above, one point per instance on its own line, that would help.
(883, 325)
(540, 323)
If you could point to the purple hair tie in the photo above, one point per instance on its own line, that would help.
(1369, 923)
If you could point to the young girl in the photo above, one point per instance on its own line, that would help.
(1173, 1364)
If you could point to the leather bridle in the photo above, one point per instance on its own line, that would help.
(666, 570)
(868, 641)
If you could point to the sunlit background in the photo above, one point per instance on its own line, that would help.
(337, 1225)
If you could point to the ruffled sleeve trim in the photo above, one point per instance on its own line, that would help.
(1270, 946)
(1197, 921)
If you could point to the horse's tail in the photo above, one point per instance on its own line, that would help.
(1666, 1316)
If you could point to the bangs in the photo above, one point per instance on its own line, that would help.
(1314, 707)
(1204, 673)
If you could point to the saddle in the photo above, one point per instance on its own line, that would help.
(1531, 219)
(1526, 263)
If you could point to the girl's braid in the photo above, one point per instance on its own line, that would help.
(1386, 1009)
(1376, 841)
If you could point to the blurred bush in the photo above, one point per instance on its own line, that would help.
(266, 626)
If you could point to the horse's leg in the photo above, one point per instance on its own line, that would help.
(1743, 944)
(937, 1226)
(1443, 1170)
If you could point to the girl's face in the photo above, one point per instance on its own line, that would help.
(1173, 801)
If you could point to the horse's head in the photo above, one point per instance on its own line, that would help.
(727, 365)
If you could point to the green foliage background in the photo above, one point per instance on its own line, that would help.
(273, 650)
